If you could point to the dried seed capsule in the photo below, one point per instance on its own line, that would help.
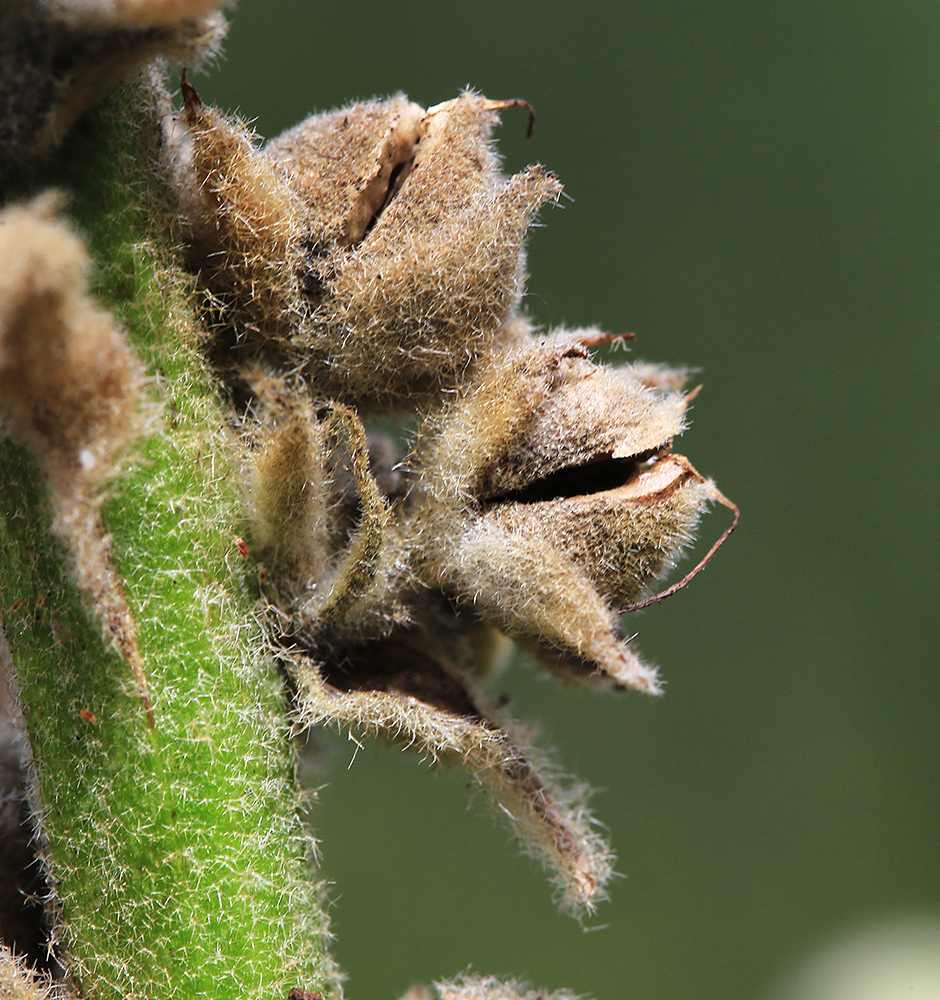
(380, 245)
(376, 253)
(556, 499)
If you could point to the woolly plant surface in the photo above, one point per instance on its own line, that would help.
(177, 859)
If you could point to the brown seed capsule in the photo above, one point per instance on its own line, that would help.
(376, 255)
(558, 500)
(345, 166)
(379, 246)
(622, 537)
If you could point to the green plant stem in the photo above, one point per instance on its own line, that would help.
(178, 862)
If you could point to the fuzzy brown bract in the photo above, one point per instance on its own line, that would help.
(71, 389)
(369, 261)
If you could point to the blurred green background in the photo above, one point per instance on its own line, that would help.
(755, 193)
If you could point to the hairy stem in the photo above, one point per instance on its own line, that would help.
(178, 864)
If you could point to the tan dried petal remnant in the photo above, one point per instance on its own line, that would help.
(371, 259)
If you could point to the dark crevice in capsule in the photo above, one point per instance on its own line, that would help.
(597, 476)
(395, 180)
(399, 667)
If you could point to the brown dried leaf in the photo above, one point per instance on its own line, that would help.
(398, 690)
(71, 389)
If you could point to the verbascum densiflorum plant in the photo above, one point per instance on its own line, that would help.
(275, 414)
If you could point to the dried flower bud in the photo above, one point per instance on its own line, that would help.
(555, 499)
(380, 245)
